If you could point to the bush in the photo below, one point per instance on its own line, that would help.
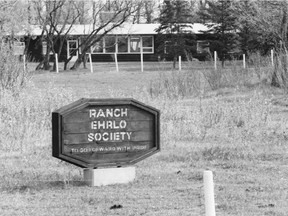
(12, 73)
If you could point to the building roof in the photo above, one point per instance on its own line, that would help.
(136, 29)
(127, 28)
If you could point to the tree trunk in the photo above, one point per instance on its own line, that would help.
(85, 61)
(54, 66)
(148, 11)
(275, 82)
(280, 70)
(65, 65)
(39, 66)
(80, 59)
(223, 63)
(66, 62)
(46, 64)
(284, 24)
(77, 63)
(174, 62)
(59, 53)
(27, 46)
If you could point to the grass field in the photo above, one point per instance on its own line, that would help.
(237, 131)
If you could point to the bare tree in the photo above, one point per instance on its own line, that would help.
(148, 11)
(13, 19)
(57, 18)
(151, 11)
(267, 19)
(106, 17)
(264, 24)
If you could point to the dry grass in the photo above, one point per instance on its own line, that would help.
(238, 132)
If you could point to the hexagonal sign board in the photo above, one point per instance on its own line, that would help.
(93, 133)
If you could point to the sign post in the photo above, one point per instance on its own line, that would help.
(105, 133)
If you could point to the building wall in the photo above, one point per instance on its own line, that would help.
(36, 49)
(123, 57)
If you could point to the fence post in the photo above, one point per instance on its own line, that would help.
(56, 61)
(209, 193)
(24, 62)
(116, 62)
(90, 61)
(272, 57)
(141, 54)
(215, 60)
(244, 61)
(180, 63)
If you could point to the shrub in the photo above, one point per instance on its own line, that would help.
(12, 73)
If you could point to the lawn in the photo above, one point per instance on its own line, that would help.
(238, 132)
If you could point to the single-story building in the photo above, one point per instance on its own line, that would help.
(126, 41)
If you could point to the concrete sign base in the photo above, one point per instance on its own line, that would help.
(109, 176)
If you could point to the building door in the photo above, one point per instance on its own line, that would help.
(72, 46)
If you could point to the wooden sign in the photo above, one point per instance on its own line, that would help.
(94, 133)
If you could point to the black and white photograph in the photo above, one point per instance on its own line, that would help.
(143, 107)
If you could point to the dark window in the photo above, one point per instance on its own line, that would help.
(110, 42)
(122, 44)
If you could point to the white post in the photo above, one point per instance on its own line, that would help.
(244, 61)
(215, 60)
(180, 66)
(209, 193)
(90, 61)
(24, 62)
(56, 61)
(272, 57)
(116, 62)
(141, 55)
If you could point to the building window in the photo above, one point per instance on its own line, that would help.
(98, 47)
(72, 48)
(125, 44)
(122, 42)
(167, 45)
(110, 42)
(203, 46)
(135, 44)
(44, 47)
(148, 46)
